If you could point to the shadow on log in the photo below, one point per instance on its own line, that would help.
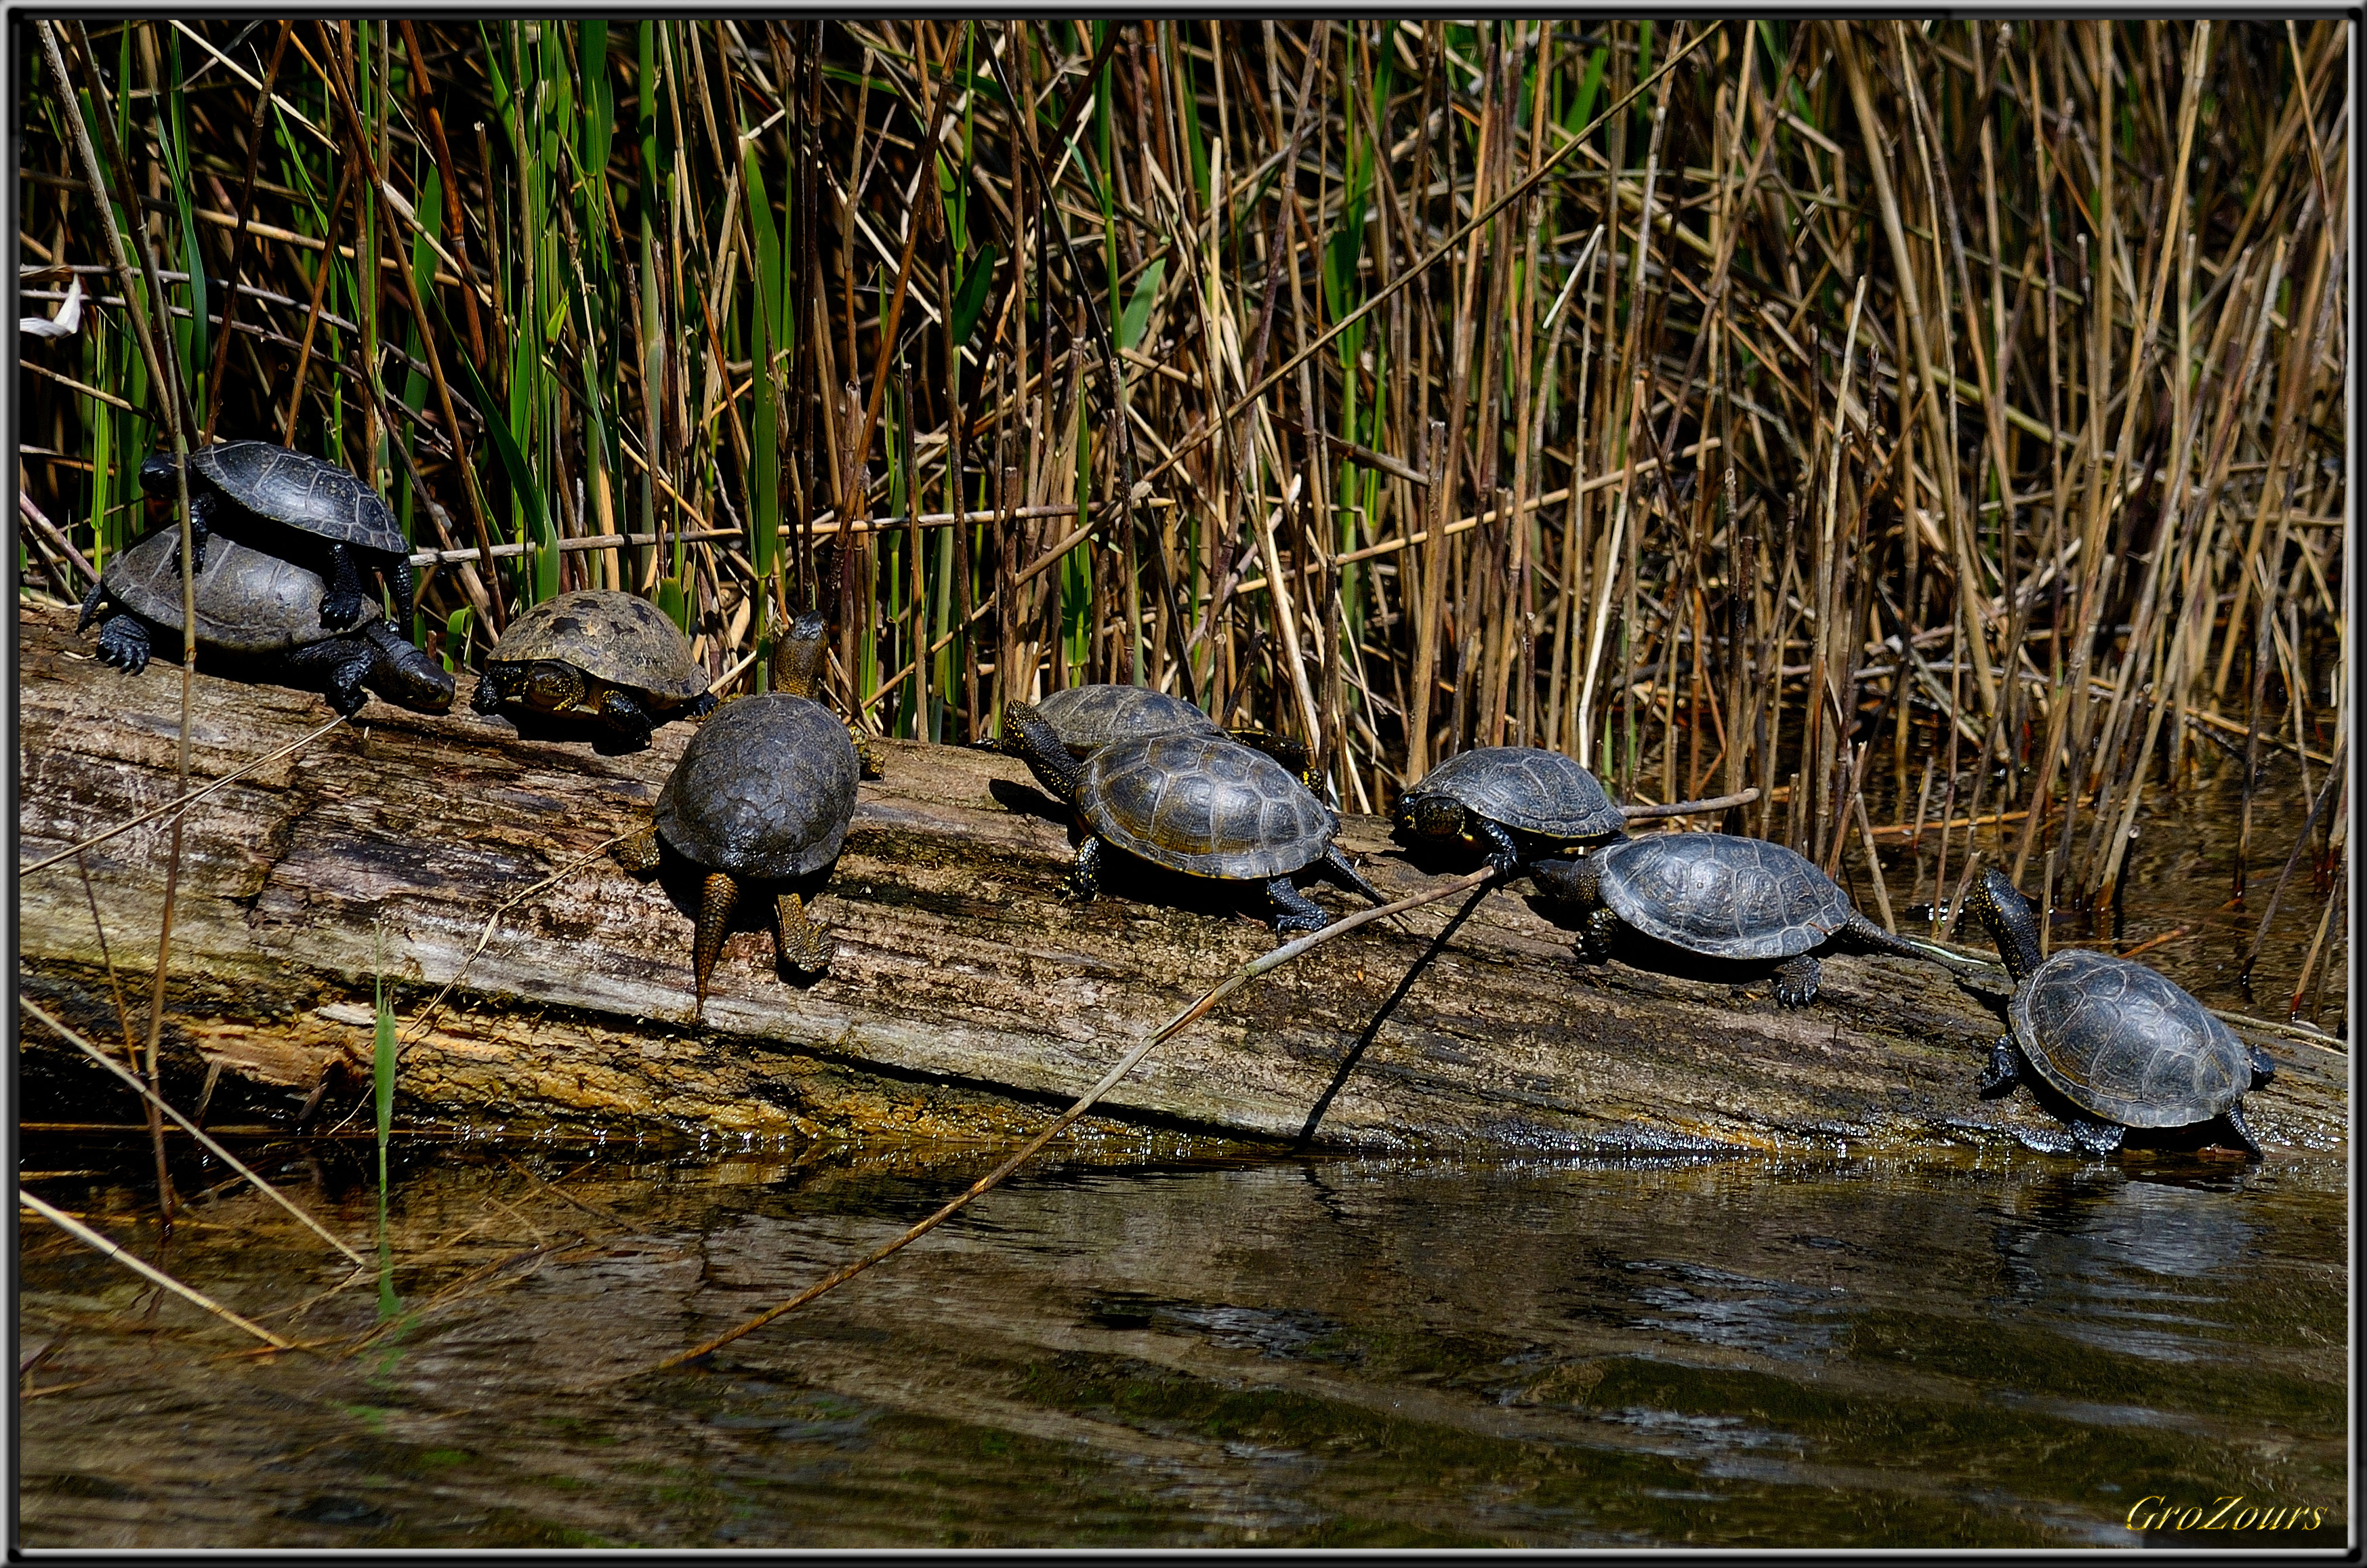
(965, 999)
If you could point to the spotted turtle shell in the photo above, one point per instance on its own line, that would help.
(1203, 805)
(2124, 1043)
(617, 637)
(765, 789)
(1526, 789)
(1086, 717)
(301, 491)
(1721, 894)
(247, 602)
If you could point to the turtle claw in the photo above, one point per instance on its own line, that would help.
(805, 945)
(1599, 937)
(1797, 980)
(638, 853)
(2004, 1070)
(2096, 1139)
(341, 610)
(123, 642)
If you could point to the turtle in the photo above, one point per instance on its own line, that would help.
(1719, 894)
(613, 656)
(1509, 798)
(2124, 1043)
(257, 604)
(1090, 716)
(324, 506)
(763, 794)
(1203, 805)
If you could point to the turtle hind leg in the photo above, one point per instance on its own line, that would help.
(1297, 912)
(716, 900)
(2243, 1131)
(1797, 979)
(123, 642)
(2096, 1139)
(201, 509)
(804, 945)
(1339, 865)
(2004, 1070)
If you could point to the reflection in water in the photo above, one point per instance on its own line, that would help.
(1204, 1352)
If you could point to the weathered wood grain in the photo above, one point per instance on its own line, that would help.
(965, 997)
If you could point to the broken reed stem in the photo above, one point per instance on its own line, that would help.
(107, 1249)
(1264, 964)
(158, 1102)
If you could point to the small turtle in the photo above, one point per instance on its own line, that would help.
(252, 603)
(1718, 894)
(2122, 1042)
(1516, 801)
(763, 794)
(333, 511)
(613, 656)
(1087, 717)
(1198, 804)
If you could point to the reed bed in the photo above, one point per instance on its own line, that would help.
(1940, 426)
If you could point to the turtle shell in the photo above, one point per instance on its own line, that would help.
(1720, 894)
(619, 639)
(1205, 805)
(301, 491)
(2124, 1043)
(247, 602)
(1086, 717)
(1526, 789)
(764, 789)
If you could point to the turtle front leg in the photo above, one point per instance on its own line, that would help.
(340, 665)
(717, 900)
(639, 853)
(1496, 844)
(1298, 912)
(1797, 979)
(866, 755)
(340, 606)
(2004, 1070)
(626, 717)
(2243, 1131)
(2096, 1139)
(123, 642)
(90, 603)
(201, 511)
(1084, 879)
(804, 945)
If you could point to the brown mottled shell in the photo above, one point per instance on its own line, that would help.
(765, 789)
(1205, 805)
(619, 639)
(247, 602)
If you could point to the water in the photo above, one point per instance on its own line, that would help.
(1162, 1349)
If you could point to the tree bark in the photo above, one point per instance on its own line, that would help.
(965, 998)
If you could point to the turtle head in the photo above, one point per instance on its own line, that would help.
(2006, 916)
(550, 685)
(404, 675)
(1429, 816)
(1029, 735)
(159, 475)
(797, 653)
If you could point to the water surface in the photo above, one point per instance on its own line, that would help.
(1134, 1348)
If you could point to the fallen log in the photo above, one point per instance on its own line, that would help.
(965, 998)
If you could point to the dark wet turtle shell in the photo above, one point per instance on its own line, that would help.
(247, 602)
(1721, 894)
(299, 490)
(1526, 789)
(2123, 1043)
(1090, 716)
(765, 789)
(1203, 805)
(618, 638)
